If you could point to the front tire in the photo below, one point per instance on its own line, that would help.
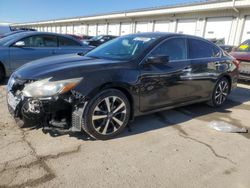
(220, 93)
(106, 115)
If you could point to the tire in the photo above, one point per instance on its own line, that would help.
(106, 115)
(220, 93)
(2, 74)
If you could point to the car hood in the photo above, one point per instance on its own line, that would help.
(245, 56)
(64, 67)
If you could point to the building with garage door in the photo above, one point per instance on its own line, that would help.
(226, 20)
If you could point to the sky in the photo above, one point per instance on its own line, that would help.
(18, 11)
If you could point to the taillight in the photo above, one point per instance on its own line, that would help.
(237, 63)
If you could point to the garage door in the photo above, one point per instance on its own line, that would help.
(70, 29)
(125, 28)
(186, 26)
(53, 29)
(79, 29)
(64, 29)
(49, 29)
(141, 27)
(92, 30)
(161, 26)
(114, 29)
(218, 28)
(246, 30)
(58, 29)
(102, 29)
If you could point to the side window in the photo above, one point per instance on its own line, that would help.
(50, 41)
(202, 49)
(63, 41)
(40, 41)
(174, 48)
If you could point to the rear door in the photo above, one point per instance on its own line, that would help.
(68, 46)
(206, 64)
(36, 47)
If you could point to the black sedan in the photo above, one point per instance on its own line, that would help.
(130, 76)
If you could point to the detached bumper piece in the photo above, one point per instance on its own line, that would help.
(64, 112)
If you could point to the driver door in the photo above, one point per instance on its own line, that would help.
(165, 84)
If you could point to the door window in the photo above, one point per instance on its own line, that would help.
(202, 49)
(66, 42)
(175, 48)
(40, 41)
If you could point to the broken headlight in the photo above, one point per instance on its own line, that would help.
(47, 88)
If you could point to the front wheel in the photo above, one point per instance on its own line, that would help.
(106, 115)
(220, 93)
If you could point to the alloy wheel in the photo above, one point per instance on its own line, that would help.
(221, 92)
(109, 115)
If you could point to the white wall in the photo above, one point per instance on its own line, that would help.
(161, 26)
(101, 29)
(126, 28)
(142, 27)
(186, 26)
(114, 29)
(234, 27)
(218, 28)
(92, 30)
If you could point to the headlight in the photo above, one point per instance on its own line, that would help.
(47, 88)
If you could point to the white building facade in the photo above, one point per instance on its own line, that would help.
(228, 20)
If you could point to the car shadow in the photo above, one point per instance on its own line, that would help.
(4, 82)
(159, 120)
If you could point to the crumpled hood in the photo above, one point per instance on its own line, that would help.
(241, 55)
(61, 67)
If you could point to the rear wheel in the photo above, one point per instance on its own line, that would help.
(220, 93)
(106, 115)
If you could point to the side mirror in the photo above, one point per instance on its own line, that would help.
(157, 59)
(19, 44)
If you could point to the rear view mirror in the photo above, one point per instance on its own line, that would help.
(157, 59)
(19, 44)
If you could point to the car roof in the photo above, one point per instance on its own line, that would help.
(28, 33)
(20, 35)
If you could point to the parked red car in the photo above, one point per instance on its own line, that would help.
(242, 54)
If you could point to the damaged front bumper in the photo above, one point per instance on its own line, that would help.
(63, 111)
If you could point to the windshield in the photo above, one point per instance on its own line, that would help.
(122, 48)
(96, 37)
(244, 47)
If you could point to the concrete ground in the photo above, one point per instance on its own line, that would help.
(173, 148)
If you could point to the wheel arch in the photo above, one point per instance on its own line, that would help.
(124, 88)
(228, 77)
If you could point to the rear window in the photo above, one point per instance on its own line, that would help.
(202, 49)
(63, 41)
(40, 41)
